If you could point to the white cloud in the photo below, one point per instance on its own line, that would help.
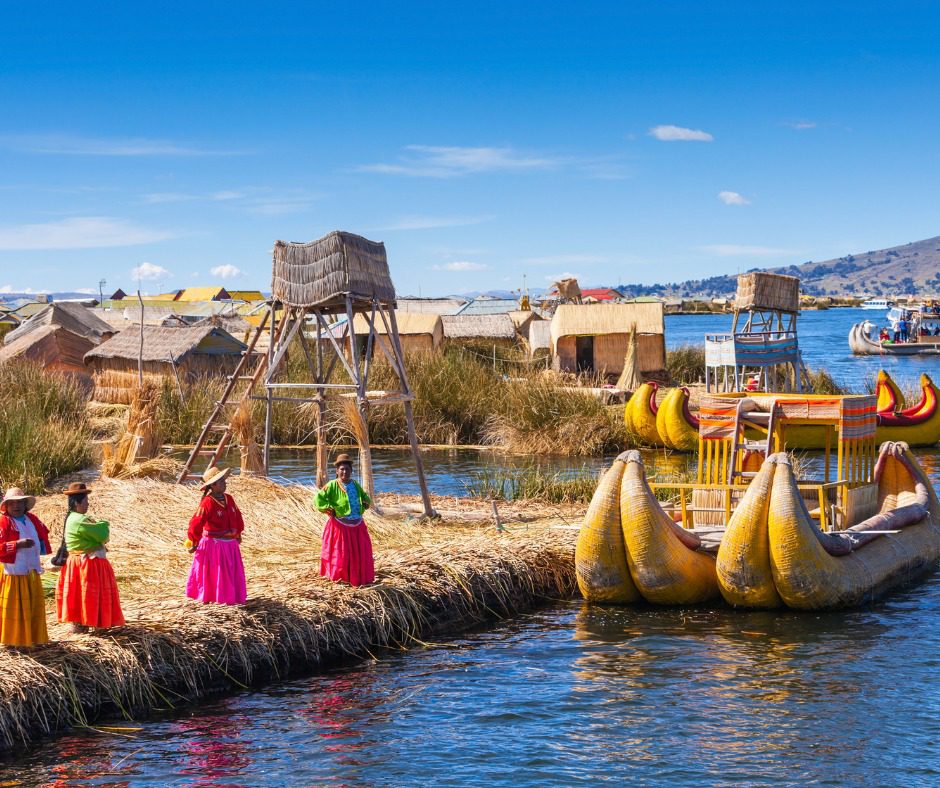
(433, 222)
(738, 250)
(221, 196)
(87, 291)
(68, 145)
(552, 278)
(87, 232)
(159, 198)
(679, 134)
(433, 161)
(227, 271)
(733, 198)
(566, 259)
(802, 125)
(461, 265)
(149, 271)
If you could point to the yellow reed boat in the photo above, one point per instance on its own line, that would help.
(749, 528)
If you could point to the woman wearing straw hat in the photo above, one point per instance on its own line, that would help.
(215, 532)
(87, 593)
(347, 549)
(23, 538)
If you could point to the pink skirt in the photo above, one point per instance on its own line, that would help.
(217, 574)
(347, 553)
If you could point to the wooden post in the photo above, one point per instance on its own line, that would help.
(269, 403)
(362, 407)
(409, 414)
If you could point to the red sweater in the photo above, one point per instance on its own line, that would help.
(214, 519)
(10, 535)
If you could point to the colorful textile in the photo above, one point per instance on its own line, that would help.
(217, 574)
(215, 519)
(84, 534)
(334, 496)
(22, 610)
(346, 553)
(10, 534)
(87, 593)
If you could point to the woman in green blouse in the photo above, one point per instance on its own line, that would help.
(347, 549)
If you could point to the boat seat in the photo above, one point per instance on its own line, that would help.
(711, 537)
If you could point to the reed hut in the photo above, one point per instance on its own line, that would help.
(55, 348)
(594, 338)
(540, 337)
(495, 329)
(71, 316)
(180, 354)
(522, 319)
(419, 332)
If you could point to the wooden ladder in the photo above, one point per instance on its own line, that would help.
(219, 421)
(760, 420)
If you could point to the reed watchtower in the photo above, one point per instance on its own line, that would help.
(763, 343)
(335, 297)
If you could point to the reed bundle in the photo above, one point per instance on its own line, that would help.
(242, 425)
(141, 440)
(431, 579)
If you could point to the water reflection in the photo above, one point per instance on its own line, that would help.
(213, 751)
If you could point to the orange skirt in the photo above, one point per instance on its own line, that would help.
(87, 593)
(22, 610)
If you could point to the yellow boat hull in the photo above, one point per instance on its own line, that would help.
(639, 415)
(675, 429)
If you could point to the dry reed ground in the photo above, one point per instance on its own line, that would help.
(431, 578)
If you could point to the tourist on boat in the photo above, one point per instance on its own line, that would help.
(215, 533)
(902, 329)
(347, 549)
(883, 335)
(87, 593)
(23, 539)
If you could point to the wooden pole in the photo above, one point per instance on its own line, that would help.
(269, 403)
(362, 406)
(409, 414)
(140, 352)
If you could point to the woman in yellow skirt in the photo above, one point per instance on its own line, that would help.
(23, 538)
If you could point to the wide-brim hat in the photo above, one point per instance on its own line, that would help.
(213, 475)
(77, 488)
(342, 458)
(17, 494)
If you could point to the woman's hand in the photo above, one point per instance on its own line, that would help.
(330, 512)
(24, 544)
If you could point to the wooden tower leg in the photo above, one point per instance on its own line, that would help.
(419, 463)
(365, 449)
(322, 459)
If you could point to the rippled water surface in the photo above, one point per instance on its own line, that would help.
(572, 695)
(576, 695)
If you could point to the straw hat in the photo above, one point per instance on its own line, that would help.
(213, 475)
(77, 488)
(17, 494)
(340, 459)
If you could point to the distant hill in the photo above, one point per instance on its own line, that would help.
(911, 269)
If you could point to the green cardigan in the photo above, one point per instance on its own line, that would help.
(334, 497)
(82, 534)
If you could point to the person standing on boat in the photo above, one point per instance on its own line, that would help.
(346, 553)
(23, 539)
(87, 593)
(214, 536)
(902, 328)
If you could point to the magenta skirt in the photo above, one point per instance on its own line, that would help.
(217, 574)
(347, 553)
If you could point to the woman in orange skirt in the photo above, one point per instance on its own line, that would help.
(87, 594)
(23, 538)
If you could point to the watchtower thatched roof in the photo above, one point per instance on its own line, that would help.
(323, 272)
(71, 316)
(166, 344)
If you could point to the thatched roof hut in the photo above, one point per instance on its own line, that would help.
(492, 328)
(594, 337)
(419, 332)
(522, 319)
(54, 347)
(540, 336)
(188, 353)
(323, 272)
(71, 316)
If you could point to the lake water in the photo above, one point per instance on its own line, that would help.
(576, 695)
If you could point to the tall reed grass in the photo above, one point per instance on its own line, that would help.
(44, 431)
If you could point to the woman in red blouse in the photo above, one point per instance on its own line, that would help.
(215, 533)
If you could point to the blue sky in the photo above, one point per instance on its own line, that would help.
(487, 144)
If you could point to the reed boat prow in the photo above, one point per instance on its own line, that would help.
(665, 562)
(813, 570)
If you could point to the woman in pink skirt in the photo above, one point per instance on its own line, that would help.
(347, 548)
(215, 533)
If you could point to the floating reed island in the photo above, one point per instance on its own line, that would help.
(432, 578)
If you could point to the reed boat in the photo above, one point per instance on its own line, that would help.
(675, 423)
(639, 414)
(917, 425)
(749, 528)
(862, 343)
